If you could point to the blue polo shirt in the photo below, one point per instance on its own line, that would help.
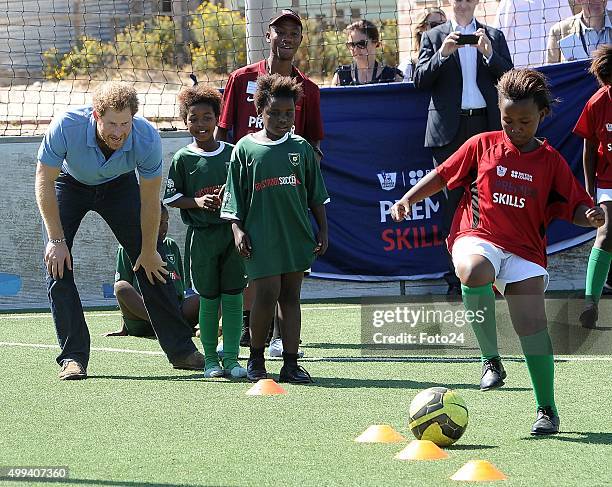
(70, 143)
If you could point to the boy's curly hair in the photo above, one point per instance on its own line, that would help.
(275, 86)
(194, 95)
(522, 84)
(601, 65)
(115, 95)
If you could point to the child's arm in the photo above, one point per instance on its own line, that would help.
(210, 202)
(589, 163)
(428, 186)
(322, 238)
(241, 239)
(589, 217)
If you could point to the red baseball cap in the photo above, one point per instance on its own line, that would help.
(286, 13)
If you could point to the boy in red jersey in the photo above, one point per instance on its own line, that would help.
(515, 184)
(595, 126)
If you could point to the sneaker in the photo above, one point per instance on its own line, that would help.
(588, 317)
(256, 369)
(275, 350)
(294, 374)
(193, 361)
(493, 374)
(547, 422)
(72, 370)
(213, 372)
(237, 372)
(220, 351)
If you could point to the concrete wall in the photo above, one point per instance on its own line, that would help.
(21, 238)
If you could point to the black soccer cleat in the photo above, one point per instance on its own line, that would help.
(547, 422)
(588, 317)
(493, 374)
(294, 374)
(256, 369)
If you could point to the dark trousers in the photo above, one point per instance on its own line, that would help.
(118, 203)
(468, 127)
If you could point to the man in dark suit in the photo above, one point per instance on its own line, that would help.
(462, 80)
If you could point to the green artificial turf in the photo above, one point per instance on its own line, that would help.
(136, 422)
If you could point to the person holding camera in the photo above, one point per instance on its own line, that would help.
(460, 62)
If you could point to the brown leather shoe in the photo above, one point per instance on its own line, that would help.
(193, 361)
(72, 370)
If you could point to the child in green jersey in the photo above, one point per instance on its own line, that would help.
(195, 185)
(273, 180)
(134, 316)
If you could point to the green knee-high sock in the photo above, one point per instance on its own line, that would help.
(481, 301)
(209, 326)
(597, 272)
(232, 326)
(538, 355)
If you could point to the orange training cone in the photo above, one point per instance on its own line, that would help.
(380, 433)
(478, 471)
(266, 387)
(422, 450)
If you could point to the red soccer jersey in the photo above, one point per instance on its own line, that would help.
(239, 110)
(595, 124)
(510, 196)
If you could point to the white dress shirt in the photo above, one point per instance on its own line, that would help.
(526, 24)
(471, 97)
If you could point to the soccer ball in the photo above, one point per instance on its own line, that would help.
(438, 414)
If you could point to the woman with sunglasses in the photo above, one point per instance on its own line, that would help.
(427, 19)
(362, 42)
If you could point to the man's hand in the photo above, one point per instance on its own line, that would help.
(484, 43)
(595, 216)
(449, 46)
(242, 242)
(322, 243)
(400, 209)
(153, 265)
(56, 256)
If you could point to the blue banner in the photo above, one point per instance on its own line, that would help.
(374, 153)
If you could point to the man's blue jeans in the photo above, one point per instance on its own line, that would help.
(118, 203)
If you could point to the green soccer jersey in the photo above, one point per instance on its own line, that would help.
(195, 173)
(124, 268)
(270, 187)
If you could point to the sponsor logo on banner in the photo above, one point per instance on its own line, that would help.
(415, 176)
(294, 157)
(387, 180)
(501, 171)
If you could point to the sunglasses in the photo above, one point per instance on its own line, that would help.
(359, 44)
(434, 24)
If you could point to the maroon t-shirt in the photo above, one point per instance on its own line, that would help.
(510, 196)
(238, 112)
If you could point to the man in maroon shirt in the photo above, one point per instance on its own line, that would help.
(238, 112)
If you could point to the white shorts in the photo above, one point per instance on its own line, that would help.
(509, 267)
(604, 194)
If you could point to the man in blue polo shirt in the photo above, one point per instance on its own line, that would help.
(86, 162)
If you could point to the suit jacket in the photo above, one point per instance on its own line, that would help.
(564, 28)
(445, 81)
